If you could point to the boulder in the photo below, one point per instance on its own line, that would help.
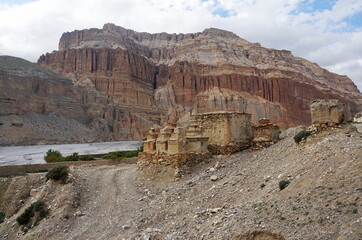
(327, 111)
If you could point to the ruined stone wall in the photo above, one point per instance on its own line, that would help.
(265, 133)
(225, 128)
(327, 111)
(228, 132)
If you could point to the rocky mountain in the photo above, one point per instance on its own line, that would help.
(152, 78)
(39, 106)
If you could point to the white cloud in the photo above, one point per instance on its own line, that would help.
(31, 29)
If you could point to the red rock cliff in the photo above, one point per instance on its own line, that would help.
(154, 77)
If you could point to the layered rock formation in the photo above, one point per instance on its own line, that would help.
(148, 79)
(26, 87)
(39, 106)
(70, 106)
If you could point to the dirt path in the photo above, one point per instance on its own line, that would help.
(109, 197)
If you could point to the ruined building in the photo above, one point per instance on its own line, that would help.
(207, 133)
(264, 134)
(219, 133)
(326, 113)
(228, 132)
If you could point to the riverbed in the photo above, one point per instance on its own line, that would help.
(34, 154)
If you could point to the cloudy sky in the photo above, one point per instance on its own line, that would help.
(328, 32)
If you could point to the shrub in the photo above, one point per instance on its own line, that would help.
(58, 173)
(301, 135)
(33, 214)
(2, 217)
(283, 184)
(86, 158)
(140, 148)
(120, 154)
(73, 157)
(262, 185)
(56, 156)
(26, 216)
(53, 156)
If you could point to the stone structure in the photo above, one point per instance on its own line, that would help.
(207, 133)
(174, 147)
(327, 111)
(265, 133)
(218, 132)
(358, 118)
(228, 132)
(174, 140)
(150, 144)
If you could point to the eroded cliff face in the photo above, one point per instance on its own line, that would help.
(147, 79)
(26, 88)
(38, 106)
(116, 86)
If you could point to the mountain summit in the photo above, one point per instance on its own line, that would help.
(153, 78)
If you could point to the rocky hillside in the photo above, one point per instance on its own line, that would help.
(174, 74)
(242, 202)
(26, 87)
(40, 106)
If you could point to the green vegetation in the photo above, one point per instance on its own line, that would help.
(86, 158)
(302, 135)
(58, 173)
(2, 217)
(262, 185)
(140, 148)
(73, 157)
(56, 156)
(53, 156)
(33, 214)
(120, 154)
(283, 184)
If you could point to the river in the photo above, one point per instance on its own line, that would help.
(16, 155)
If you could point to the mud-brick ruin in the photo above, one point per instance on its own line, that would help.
(174, 147)
(227, 132)
(223, 133)
(326, 113)
(264, 134)
(207, 134)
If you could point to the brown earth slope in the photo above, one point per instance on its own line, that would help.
(200, 72)
(323, 200)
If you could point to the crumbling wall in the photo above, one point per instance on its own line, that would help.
(228, 132)
(264, 134)
(358, 118)
(324, 111)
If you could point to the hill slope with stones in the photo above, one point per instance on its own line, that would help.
(245, 202)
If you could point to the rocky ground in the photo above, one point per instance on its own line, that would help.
(228, 197)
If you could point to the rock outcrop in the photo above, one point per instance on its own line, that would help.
(327, 111)
(39, 106)
(26, 87)
(70, 103)
(153, 78)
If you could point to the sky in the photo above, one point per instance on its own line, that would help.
(327, 32)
